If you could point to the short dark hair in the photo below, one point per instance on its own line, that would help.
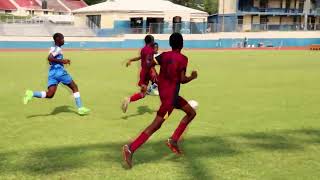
(176, 41)
(57, 35)
(149, 39)
(155, 44)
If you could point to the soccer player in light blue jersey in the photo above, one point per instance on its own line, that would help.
(57, 74)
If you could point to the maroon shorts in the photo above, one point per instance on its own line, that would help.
(167, 106)
(147, 75)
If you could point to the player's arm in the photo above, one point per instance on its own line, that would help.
(54, 60)
(186, 79)
(133, 60)
(183, 77)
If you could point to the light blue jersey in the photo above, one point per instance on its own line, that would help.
(57, 73)
(57, 54)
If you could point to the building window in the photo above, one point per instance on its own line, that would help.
(136, 25)
(7, 11)
(301, 6)
(155, 25)
(45, 12)
(94, 21)
(263, 19)
(263, 5)
(30, 12)
(240, 20)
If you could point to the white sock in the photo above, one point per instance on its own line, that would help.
(43, 94)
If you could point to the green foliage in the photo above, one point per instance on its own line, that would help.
(91, 2)
(211, 6)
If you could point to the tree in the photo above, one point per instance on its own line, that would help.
(91, 2)
(210, 6)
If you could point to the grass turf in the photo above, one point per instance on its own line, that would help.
(258, 119)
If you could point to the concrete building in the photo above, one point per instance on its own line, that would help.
(140, 16)
(260, 15)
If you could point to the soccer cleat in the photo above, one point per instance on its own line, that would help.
(125, 104)
(173, 145)
(83, 111)
(154, 92)
(127, 155)
(27, 97)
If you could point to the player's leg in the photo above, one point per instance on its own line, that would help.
(143, 83)
(40, 94)
(153, 88)
(190, 115)
(139, 95)
(129, 149)
(76, 94)
(134, 97)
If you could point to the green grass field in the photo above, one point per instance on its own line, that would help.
(259, 118)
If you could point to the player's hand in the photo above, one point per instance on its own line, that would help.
(194, 74)
(128, 63)
(66, 61)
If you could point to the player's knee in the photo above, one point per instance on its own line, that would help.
(157, 127)
(50, 95)
(75, 87)
(192, 114)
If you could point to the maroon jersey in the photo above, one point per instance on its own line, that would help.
(172, 64)
(146, 55)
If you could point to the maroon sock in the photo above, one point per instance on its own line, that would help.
(178, 132)
(139, 141)
(136, 97)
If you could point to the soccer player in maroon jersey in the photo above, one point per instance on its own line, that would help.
(173, 66)
(153, 88)
(146, 55)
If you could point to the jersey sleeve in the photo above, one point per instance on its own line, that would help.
(55, 51)
(158, 59)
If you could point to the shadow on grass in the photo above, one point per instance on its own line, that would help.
(197, 148)
(141, 110)
(57, 110)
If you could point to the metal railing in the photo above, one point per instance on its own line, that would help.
(216, 27)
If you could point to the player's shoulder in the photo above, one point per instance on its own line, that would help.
(55, 49)
(184, 57)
